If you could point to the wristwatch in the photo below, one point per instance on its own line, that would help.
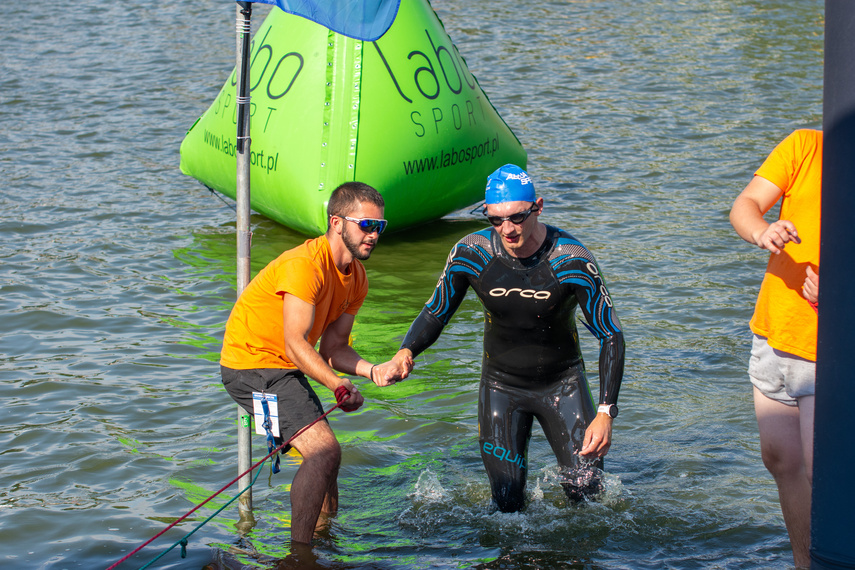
(608, 409)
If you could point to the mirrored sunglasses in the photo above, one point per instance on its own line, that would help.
(368, 225)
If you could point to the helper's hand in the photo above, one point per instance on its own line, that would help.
(777, 235)
(811, 287)
(348, 397)
(598, 437)
(394, 370)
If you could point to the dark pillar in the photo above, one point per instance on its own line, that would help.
(833, 516)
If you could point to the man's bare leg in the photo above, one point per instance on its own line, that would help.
(330, 506)
(781, 437)
(806, 407)
(310, 489)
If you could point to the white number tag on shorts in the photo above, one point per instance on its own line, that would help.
(258, 412)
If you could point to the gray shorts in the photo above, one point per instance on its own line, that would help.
(298, 404)
(779, 375)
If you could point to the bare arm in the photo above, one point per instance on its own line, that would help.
(747, 213)
(337, 352)
(298, 316)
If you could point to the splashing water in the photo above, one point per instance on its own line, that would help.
(428, 488)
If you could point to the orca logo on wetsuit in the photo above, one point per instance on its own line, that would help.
(592, 267)
(525, 293)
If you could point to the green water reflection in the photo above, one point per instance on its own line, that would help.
(642, 122)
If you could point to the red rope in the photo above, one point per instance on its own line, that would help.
(233, 481)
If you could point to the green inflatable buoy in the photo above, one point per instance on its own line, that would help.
(403, 114)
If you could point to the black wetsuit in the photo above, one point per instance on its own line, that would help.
(532, 364)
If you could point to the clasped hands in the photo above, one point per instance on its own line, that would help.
(394, 370)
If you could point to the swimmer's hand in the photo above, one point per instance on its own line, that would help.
(777, 235)
(394, 370)
(598, 437)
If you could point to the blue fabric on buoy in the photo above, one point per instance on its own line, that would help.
(366, 21)
(509, 183)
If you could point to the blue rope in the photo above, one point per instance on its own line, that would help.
(271, 443)
(183, 540)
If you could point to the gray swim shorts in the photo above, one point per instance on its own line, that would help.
(779, 375)
(298, 404)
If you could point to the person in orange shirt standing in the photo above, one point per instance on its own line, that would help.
(309, 293)
(782, 366)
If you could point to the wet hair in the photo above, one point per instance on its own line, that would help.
(349, 195)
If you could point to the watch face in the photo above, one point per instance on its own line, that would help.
(610, 409)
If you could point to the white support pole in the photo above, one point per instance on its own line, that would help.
(244, 236)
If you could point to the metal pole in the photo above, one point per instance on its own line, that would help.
(244, 237)
(833, 505)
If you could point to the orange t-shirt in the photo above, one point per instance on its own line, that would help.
(255, 330)
(782, 314)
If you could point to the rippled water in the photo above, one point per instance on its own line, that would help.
(642, 121)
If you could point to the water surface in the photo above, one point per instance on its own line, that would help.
(642, 120)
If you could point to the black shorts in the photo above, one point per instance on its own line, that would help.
(298, 404)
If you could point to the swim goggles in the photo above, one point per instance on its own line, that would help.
(517, 218)
(368, 225)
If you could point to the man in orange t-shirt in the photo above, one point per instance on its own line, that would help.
(783, 355)
(309, 293)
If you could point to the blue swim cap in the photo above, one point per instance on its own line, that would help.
(509, 183)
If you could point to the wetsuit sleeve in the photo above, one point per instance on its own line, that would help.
(612, 352)
(449, 293)
(602, 321)
(423, 332)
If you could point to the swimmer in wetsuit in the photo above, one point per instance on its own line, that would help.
(530, 277)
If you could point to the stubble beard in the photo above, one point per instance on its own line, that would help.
(353, 246)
